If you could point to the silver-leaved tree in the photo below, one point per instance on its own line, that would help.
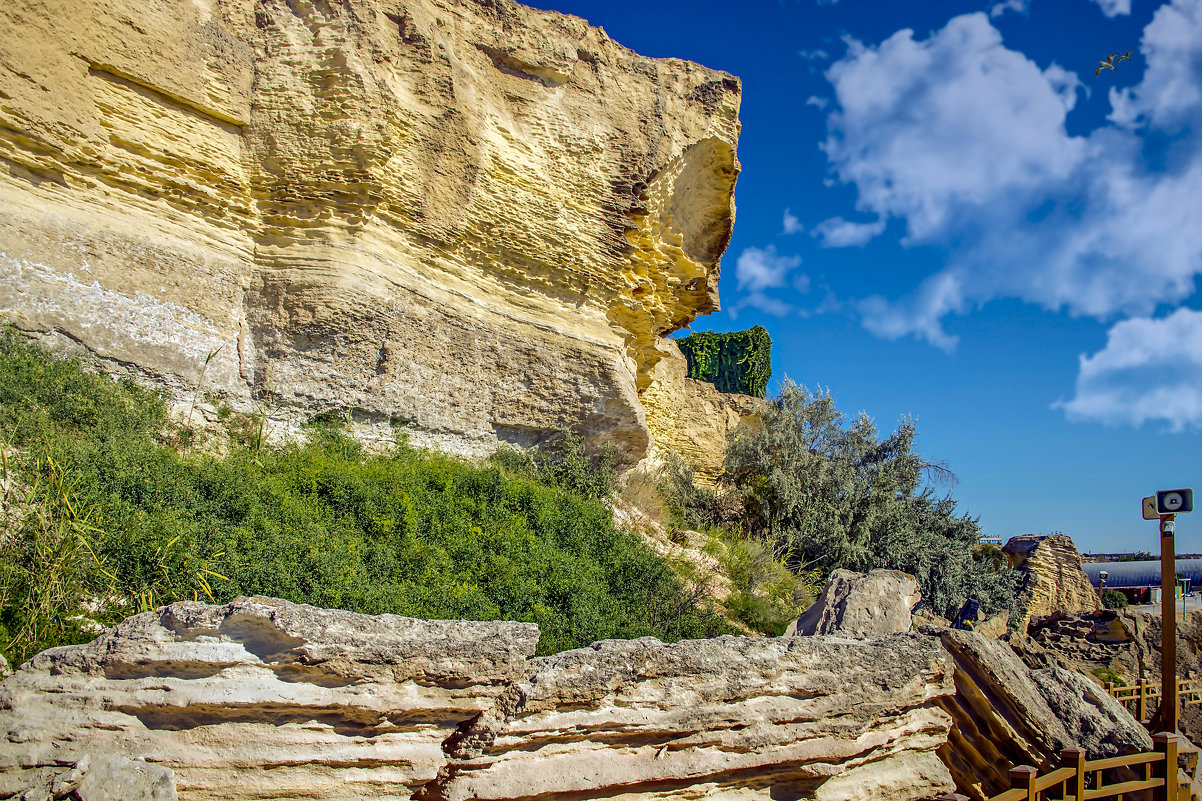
(832, 495)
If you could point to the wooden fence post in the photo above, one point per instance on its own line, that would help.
(1143, 699)
(1075, 758)
(1024, 776)
(1166, 743)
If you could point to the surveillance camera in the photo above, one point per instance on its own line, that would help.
(1103, 575)
(1168, 527)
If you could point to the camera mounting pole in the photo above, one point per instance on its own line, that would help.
(1165, 505)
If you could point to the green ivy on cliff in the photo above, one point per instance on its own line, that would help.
(740, 361)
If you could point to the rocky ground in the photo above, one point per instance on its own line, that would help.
(265, 699)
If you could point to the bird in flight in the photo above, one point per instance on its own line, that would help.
(1109, 63)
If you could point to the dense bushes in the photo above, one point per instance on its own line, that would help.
(100, 510)
(829, 496)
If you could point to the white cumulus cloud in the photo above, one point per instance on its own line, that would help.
(1150, 369)
(927, 128)
(964, 141)
(1170, 94)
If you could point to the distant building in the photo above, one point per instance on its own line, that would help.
(996, 541)
(1138, 580)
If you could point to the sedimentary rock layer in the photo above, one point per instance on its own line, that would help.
(259, 699)
(731, 717)
(262, 699)
(1007, 715)
(471, 218)
(1053, 578)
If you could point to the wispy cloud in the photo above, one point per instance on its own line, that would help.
(758, 269)
(1113, 8)
(840, 233)
(999, 8)
(1150, 369)
(817, 54)
(791, 225)
(917, 315)
(758, 300)
(818, 102)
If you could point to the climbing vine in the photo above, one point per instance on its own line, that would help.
(739, 361)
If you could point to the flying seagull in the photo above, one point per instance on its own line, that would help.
(1109, 63)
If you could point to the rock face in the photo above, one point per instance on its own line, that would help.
(262, 699)
(692, 417)
(1007, 715)
(730, 717)
(861, 605)
(1053, 578)
(468, 217)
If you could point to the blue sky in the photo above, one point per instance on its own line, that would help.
(944, 213)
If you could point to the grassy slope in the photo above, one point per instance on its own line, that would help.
(100, 507)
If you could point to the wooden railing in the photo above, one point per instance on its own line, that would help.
(1142, 699)
(1079, 780)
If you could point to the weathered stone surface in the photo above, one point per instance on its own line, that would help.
(861, 605)
(260, 699)
(1053, 578)
(263, 699)
(1092, 718)
(692, 418)
(98, 777)
(475, 219)
(1006, 715)
(731, 717)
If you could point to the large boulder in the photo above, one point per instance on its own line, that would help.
(861, 605)
(1052, 576)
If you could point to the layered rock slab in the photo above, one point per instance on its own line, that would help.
(474, 219)
(1007, 715)
(730, 717)
(258, 698)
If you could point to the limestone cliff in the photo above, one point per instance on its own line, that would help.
(470, 217)
(692, 418)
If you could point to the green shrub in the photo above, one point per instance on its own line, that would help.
(410, 533)
(766, 596)
(1113, 599)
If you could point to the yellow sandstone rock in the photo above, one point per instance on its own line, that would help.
(476, 219)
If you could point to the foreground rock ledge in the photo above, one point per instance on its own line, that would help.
(265, 699)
